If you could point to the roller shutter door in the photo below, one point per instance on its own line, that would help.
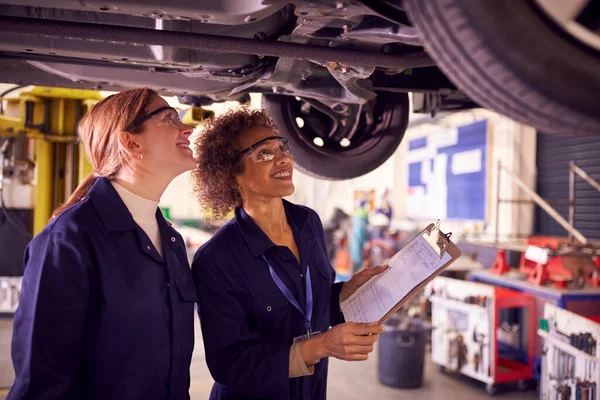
(553, 156)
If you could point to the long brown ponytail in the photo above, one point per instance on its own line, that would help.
(99, 132)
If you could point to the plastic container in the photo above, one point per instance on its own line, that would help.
(401, 361)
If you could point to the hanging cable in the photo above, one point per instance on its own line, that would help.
(12, 89)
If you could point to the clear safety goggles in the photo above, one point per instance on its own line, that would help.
(163, 116)
(266, 149)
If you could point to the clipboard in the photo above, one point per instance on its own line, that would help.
(440, 242)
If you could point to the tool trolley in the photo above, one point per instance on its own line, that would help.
(468, 335)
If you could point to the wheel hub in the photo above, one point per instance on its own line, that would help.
(337, 129)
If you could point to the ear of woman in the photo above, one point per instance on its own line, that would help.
(130, 146)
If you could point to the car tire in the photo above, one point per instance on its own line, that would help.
(510, 57)
(373, 149)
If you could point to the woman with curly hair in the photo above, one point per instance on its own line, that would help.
(267, 296)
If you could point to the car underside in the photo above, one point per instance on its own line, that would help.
(335, 75)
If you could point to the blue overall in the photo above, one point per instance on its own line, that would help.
(102, 315)
(248, 325)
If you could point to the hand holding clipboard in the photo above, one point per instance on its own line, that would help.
(421, 260)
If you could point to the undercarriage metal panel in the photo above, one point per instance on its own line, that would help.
(22, 73)
(162, 81)
(227, 12)
(135, 53)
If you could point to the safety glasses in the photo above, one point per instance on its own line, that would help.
(163, 116)
(265, 150)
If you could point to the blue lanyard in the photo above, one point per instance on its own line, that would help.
(290, 297)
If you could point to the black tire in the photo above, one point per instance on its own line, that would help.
(370, 148)
(508, 56)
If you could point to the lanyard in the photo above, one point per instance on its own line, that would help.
(290, 297)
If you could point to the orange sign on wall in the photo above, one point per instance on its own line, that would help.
(366, 195)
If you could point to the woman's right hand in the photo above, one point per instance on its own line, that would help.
(350, 341)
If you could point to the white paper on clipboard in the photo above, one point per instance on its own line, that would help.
(412, 265)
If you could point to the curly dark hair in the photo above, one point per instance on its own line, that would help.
(215, 183)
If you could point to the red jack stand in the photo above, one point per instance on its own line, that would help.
(500, 266)
(539, 276)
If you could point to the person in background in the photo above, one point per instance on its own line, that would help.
(106, 309)
(385, 206)
(359, 234)
(265, 283)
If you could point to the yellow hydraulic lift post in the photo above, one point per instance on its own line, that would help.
(44, 160)
(49, 117)
(32, 114)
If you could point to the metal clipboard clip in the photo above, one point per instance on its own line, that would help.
(438, 240)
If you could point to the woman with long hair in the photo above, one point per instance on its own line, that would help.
(106, 309)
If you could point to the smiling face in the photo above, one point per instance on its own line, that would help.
(164, 141)
(268, 166)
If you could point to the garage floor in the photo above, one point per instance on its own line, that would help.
(348, 381)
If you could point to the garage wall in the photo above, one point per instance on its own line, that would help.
(553, 156)
(511, 143)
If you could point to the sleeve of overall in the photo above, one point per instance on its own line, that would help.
(48, 328)
(297, 365)
(337, 317)
(235, 355)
